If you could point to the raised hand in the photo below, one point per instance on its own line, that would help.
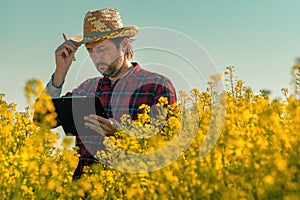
(64, 55)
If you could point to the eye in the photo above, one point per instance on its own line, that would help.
(89, 50)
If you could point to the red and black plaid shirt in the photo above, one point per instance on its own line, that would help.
(125, 96)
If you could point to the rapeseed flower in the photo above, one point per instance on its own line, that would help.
(256, 156)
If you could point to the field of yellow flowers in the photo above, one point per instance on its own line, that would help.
(255, 157)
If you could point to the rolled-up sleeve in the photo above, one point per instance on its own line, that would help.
(54, 92)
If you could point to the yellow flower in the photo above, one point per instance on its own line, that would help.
(51, 184)
(269, 179)
(256, 154)
(281, 164)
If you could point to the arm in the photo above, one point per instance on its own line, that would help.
(63, 56)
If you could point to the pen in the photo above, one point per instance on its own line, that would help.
(66, 39)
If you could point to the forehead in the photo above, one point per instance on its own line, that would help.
(92, 45)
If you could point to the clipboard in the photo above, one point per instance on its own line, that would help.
(71, 110)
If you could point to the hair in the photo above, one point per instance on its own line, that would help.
(129, 51)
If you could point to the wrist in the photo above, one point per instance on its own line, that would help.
(56, 83)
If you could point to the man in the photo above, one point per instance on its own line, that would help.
(124, 85)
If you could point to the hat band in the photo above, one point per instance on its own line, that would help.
(129, 31)
(99, 34)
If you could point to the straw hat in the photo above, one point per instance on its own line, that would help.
(104, 24)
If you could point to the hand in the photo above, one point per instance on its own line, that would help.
(103, 126)
(64, 56)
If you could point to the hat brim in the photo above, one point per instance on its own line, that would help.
(129, 31)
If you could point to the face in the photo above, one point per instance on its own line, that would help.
(108, 59)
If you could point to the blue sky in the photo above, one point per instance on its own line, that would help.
(260, 38)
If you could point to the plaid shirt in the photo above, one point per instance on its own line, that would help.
(125, 96)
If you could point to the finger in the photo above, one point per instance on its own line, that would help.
(99, 129)
(94, 127)
(110, 124)
(77, 44)
(70, 46)
(99, 118)
(69, 54)
(105, 124)
(92, 120)
(64, 52)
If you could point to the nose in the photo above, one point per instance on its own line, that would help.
(95, 57)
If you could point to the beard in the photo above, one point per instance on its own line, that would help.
(111, 70)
